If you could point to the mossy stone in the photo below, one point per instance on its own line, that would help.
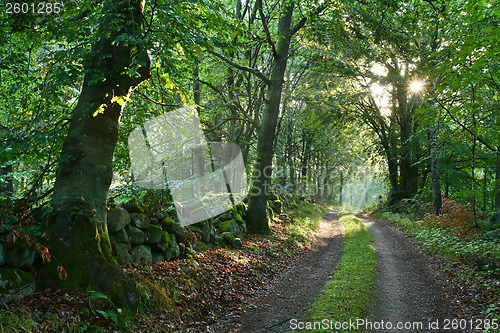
(225, 226)
(238, 218)
(228, 237)
(169, 225)
(15, 283)
(133, 207)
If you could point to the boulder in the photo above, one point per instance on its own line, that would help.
(153, 234)
(123, 255)
(237, 243)
(19, 255)
(159, 216)
(140, 220)
(169, 225)
(228, 237)
(181, 234)
(132, 207)
(15, 283)
(156, 256)
(118, 218)
(135, 234)
(141, 254)
(120, 236)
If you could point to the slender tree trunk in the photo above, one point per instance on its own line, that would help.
(7, 186)
(79, 238)
(341, 188)
(436, 187)
(257, 208)
(495, 218)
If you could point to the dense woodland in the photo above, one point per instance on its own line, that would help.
(349, 102)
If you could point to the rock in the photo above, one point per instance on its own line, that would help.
(120, 236)
(237, 243)
(15, 283)
(206, 229)
(220, 241)
(226, 217)
(180, 234)
(132, 207)
(157, 256)
(19, 255)
(225, 226)
(140, 220)
(123, 255)
(235, 229)
(141, 254)
(118, 218)
(176, 249)
(230, 226)
(159, 216)
(169, 225)
(228, 237)
(135, 234)
(182, 249)
(2, 256)
(153, 234)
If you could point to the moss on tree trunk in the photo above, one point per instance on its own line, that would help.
(79, 238)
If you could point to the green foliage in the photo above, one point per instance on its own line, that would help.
(305, 220)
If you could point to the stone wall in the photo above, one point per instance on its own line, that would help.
(142, 239)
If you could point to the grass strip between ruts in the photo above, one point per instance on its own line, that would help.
(346, 296)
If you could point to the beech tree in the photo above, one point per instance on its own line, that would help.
(78, 232)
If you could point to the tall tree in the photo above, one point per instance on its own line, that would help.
(79, 237)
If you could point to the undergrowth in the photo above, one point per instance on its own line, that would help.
(346, 296)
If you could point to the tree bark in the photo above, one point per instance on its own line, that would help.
(79, 238)
(257, 208)
(436, 188)
(7, 187)
(495, 218)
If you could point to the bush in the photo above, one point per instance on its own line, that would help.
(455, 217)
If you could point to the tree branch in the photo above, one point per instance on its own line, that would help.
(254, 71)
(303, 20)
(465, 128)
(266, 29)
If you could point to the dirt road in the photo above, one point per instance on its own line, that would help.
(289, 296)
(409, 294)
(409, 287)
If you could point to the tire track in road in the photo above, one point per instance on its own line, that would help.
(406, 289)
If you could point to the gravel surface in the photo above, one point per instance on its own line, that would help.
(409, 286)
(290, 294)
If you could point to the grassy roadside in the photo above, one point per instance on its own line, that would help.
(346, 296)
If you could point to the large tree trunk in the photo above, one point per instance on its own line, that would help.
(257, 208)
(79, 238)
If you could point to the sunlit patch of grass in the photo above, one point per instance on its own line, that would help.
(305, 221)
(347, 295)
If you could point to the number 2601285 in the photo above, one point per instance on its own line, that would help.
(42, 8)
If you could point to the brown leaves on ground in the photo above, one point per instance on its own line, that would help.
(182, 295)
